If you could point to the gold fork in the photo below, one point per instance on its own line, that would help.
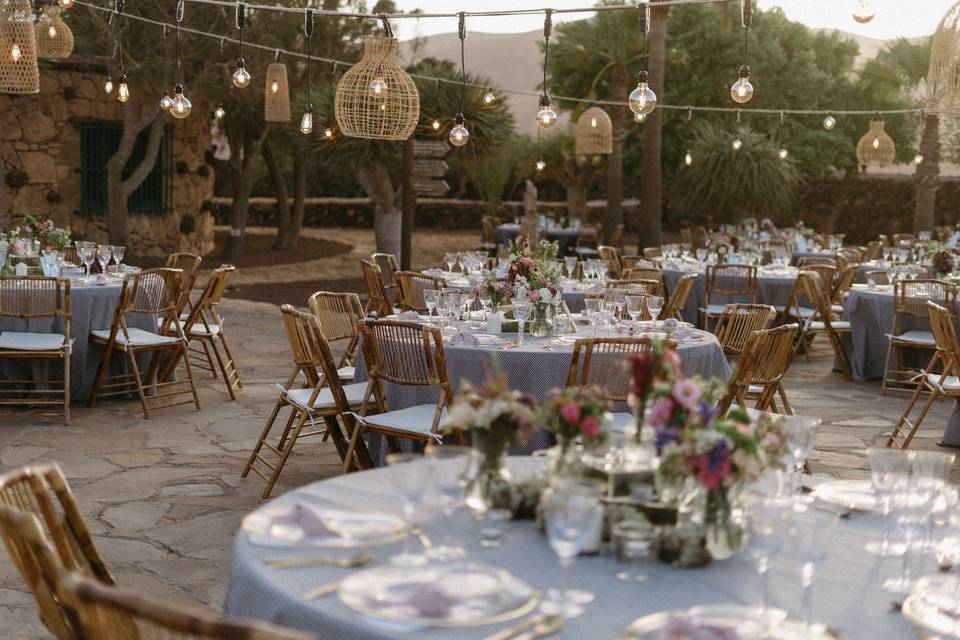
(346, 563)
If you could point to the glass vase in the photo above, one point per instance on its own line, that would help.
(542, 320)
(715, 510)
(487, 482)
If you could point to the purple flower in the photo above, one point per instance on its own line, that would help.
(686, 392)
(665, 437)
(660, 411)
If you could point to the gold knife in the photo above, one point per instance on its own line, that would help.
(523, 625)
(346, 563)
(322, 590)
(542, 629)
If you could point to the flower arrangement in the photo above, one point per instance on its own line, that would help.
(575, 412)
(496, 288)
(45, 232)
(943, 262)
(660, 365)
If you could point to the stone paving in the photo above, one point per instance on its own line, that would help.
(163, 496)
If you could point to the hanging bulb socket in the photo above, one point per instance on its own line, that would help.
(66, 4)
(741, 91)
(219, 112)
(123, 91)
(241, 77)
(108, 85)
(688, 158)
(306, 122)
(181, 106)
(829, 122)
(642, 100)
(541, 165)
(546, 116)
(459, 134)
(166, 101)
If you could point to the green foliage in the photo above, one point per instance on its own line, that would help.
(728, 184)
(496, 174)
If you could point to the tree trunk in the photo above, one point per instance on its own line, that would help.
(651, 206)
(243, 185)
(279, 182)
(375, 181)
(576, 202)
(3, 196)
(614, 213)
(299, 202)
(118, 189)
(927, 177)
(409, 202)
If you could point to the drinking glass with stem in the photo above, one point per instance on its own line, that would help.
(571, 264)
(85, 253)
(104, 251)
(654, 305)
(889, 469)
(635, 308)
(767, 516)
(808, 533)
(932, 469)
(118, 252)
(430, 302)
(451, 260)
(411, 484)
(608, 313)
(801, 434)
(484, 297)
(591, 308)
(447, 462)
(912, 504)
(521, 311)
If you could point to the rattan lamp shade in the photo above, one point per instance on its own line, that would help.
(18, 73)
(276, 101)
(54, 38)
(594, 133)
(943, 82)
(390, 116)
(876, 148)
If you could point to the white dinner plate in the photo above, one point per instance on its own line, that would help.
(935, 609)
(746, 623)
(280, 525)
(851, 494)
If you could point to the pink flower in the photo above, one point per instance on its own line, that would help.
(534, 296)
(570, 412)
(712, 478)
(686, 392)
(671, 359)
(590, 426)
(660, 412)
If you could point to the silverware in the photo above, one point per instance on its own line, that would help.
(542, 629)
(422, 537)
(837, 510)
(346, 563)
(509, 346)
(511, 632)
(322, 590)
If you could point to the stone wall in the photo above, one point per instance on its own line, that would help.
(40, 147)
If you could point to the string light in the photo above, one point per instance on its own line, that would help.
(15, 52)
(123, 91)
(377, 87)
(489, 97)
(876, 143)
(829, 122)
(241, 77)
(166, 101)
(917, 159)
(435, 125)
(66, 4)
(643, 100)
(328, 133)
(736, 144)
(546, 116)
(181, 106)
(219, 112)
(306, 121)
(783, 153)
(108, 85)
(741, 91)
(863, 11)
(639, 118)
(459, 134)
(541, 165)
(688, 158)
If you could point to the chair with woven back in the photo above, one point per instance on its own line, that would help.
(611, 255)
(109, 613)
(488, 238)
(189, 264)
(843, 282)
(847, 256)
(879, 277)
(798, 306)
(379, 304)
(652, 252)
(811, 261)
(910, 301)
(410, 355)
(410, 288)
(388, 269)
(645, 273)
(738, 322)
(628, 262)
(677, 301)
(883, 240)
(339, 314)
(737, 281)
(902, 238)
(313, 391)
(758, 377)
(70, 255)
(616, 238)
(154, 293)
(824, 321)
(874, 251)
(31, 299)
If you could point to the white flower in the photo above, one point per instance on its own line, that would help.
(545, 295)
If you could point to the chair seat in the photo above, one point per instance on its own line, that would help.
(836, 308)
(18, 341)
(950, 383)
(713, 309)
(198, 329)
(838, 325)
(924, 338)
(347, 373)
(138, 338)
(301, 397)
(416, 420)
(805, 312)
(755, 389)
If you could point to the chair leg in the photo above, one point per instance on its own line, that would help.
(348, 455)
(66, 389)
(282, 442)
(223, 370)
(263, 437)
(787, 410)
(231, 362)
(101, 374)
(286, 454)
(139, 383)
(206, 352)
(886, 368)
(905, 418)
(190, 381)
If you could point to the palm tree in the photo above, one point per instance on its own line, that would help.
(652, 181)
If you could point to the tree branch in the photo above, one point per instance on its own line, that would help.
(149, 159)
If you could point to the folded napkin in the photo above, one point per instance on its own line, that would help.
(465, 337)
(687, 335)
(682, 628)
(298, 522)
(474, 280)
(671, 323)
(409, 316)
(433, 272)
(431, 601)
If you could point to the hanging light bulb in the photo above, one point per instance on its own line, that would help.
(863, 11)
(488, 97)
(736, 144)
(688, 159)
(123, 91)
(459, 134)
(541, 165)
(306, 122)
(66, 4)
(15, 52)
(181, 106)
(108, 85)
(639, 117)
(741, 91)
(876, 143)
(642, 99)
(435, 125)
(166, 101)
(829, 122)
(783, 153)
(51, 31)
(219, 112)
(274, 86)
(241, 77)
(917, 159)
(328, 133)
(377, 88)
(546, 116)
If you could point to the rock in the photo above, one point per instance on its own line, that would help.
(38, 127)
(134, 516)
(40, 167)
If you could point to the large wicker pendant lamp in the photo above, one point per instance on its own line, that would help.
(18, 48)
(54, 37)
(594, 133)
(276, 100)
(876, 148)
(943, 81)
(376, 98)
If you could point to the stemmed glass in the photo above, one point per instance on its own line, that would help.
(608, 312)
(411, 484)
(86, 256)
(104, 252)
(912, 503)
(450, 259)
(571, 263)
(591, 308)
(807, 533)
(430, 302)
(801, 434)
(889, 470)
(590, 269)
(635, 308)
(484, 297)
(602, 268)
(445, 462)
(654, 304)
(619, 297)
(466, 301)
(767, 520)
(118, 254)
(521, 311)
(931, 469)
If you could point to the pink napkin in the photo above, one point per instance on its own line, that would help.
(682, 628)
(300, 518)
(687, 335)
(474, 280)
(433, 272)
(465, 337)
(409, 316)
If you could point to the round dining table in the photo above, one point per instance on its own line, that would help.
(565, 237)
(847, 595)
(573, 292)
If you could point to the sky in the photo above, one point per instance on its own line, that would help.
(893, 18)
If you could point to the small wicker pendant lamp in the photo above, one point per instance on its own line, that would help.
(276, 100)
(876, 148)
(54, 37)
(376, 99)
(18, 48)
(943, 81)
(594, 133)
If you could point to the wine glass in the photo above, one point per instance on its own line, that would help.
(602, 268)
(411, 484)
(654, 305)
(450, 259)
(483, 295)
(889, 469)
(571, 264)
(591, 307)
(447, 462)
(912, 503)
(103, 256)
(86, 256)
(635, 308)
(608, 312)
(430, 302)
(521, 311)
(807, 533)
(768, 515)
(800, 433)
(118, 254)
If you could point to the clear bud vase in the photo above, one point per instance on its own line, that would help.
(487, 482)
(542, 320)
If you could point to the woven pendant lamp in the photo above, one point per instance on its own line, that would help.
(594, 133)
(276, 101)
(54, 37)
(943, 81)
(876, 148)
(376, 98)
(18, 48)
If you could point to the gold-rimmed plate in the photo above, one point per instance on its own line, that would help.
(744, 623)
(850, 494)
(935, 609)
(304, 525)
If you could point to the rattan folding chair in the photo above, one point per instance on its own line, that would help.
(637, 287)
(798, 306)
(407, 354)
(943, 384)
(27, 298)
(410, 288)
(586, 245)
(847, 256)
(738, 322)
(910, 300)
(388, 269)
(612, 256)
(874, 251)
(824, 321)
(730, 281)
(758, 377)
(842, 283)
(379, 303)
(677, 301)
(312, 391)
(628, 262)
(879, 277)
(644, 273)
(603, 362)
(810, 261)
(108, 613)
(652, 252)
(903, 237)
(155, 293)
(340, 315)
(189, 263)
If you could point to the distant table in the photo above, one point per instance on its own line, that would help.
(566, 237)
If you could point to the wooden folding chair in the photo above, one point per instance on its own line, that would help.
(312, 391)
(728, 281)
(874, 251)
(586, 245)
(339, 315)
(677, 301)
(738, 322)
(189, 263)
(27, 298)
(154, 293)
(810, 261)
(899, 238)
(612, 257)
(379, 303)
(637, 286)
(205, 326)
(108, 613)
(798, 306)
(410, 288)
(758, 377)
(824, 321)
(879, 277)
(388, 268)
(616, 238)
(652, 252)
(407, 354)
(910, 301)
(944, 384)
(644, 273)
(842, 283)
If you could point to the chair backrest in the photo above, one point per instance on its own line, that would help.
(70, 255)
(874, 250)
(766, 356)
(814, 291)
(305, 359)
(843, 281)
(617, 236)
(883, 240)
(732, 280)
(42, 490)
(189, 263)
(312, 354)
(404, 353)
(645, 273)
(902, 237)
(33, 297)
(412, 284)
(603, 362)
(945, 333)
(636, 286)
(108, 613)
(738, 322)
(652, 252)
(809, 261)
(911, 297)
(678, 297)
(373, 277)
(338, 314)
(827, 273)
(489, 229)
(153, 291)
(612, 257)
(204, 311)
(878, 276)
(388, 266)
(35, 560)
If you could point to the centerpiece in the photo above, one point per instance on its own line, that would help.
(574, 414)
(534, 275)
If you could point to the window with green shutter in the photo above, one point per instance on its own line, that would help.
(98, 141)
